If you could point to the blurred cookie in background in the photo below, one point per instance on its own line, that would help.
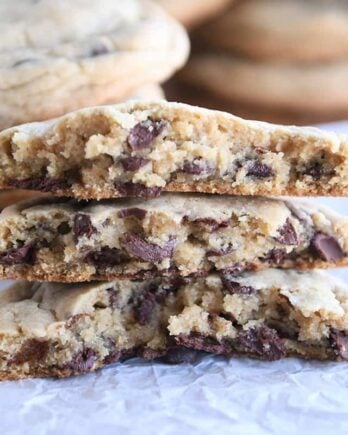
(193, 12)
(60, 56)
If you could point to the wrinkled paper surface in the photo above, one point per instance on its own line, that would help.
(215, 396)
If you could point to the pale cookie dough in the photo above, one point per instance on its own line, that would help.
(282, 30)
(193, 12)
(141, 148)
(63, 330)
(318, 89)
(52, 239)
(58, 56)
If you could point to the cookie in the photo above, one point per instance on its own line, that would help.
(315, 89)
(287, 30)
(187, 235)
(193, 12)
(60, 56)
(63, 330)
(141, 148)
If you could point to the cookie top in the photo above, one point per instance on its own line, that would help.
(286, 30)
(96, 51)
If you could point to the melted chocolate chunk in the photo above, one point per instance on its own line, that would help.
(276, 256)
(143, 311)
(83, 226)
(43, 184)
(132, 164)
(106, 257)
(136, 212)
(212, 224)
(234, 287)
(326, 247)
(143, 133)
(204, 343)
(32, 351)
(136, 246)
(261, 341)
(83, 361)
(64, 228)
(25, 254)
(197, 167)
(180, 355)
(339, 342)
(317, 170)
(287, 234)
(139, 190)
(260, 170)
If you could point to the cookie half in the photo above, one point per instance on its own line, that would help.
(63, 330)
(61, 56)
(175, 235)
(142, 148)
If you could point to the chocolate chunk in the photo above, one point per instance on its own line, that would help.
(205, 343)
(143, 133)
(260, 170)
(136, 246)
(339, 342)
(143, 311)
(261, 341)
(221, 252)
(25, 254)
(212, 224)
(198, 167)
(276, 256)
(180, 355)
(83, 361)
(136, 212)
(139, 190)
(237, 269)
(317, 170)
(132, 164)
(99, 49)
(113, 357)
(64, 228)
(234, 287)
(83, 226)
(171, 286)
(326, 247)
(32, 351)
(287, 234)
(43, 184)
(106, 257)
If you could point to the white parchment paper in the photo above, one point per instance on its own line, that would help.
(215, 396)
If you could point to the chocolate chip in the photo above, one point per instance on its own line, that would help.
(143, 133)
(25, 254)
(64, 228)
(180, 355)
(276, 256)
(106, 257)
(260, 170)
(83, 361)
(339, 342)
(204, 343)
(212, 224)
(139, 190)
(317, 170)
(326, 247)
(136, 212)
(198, 167)
(143, 311)
(32, 351)
(287, 234)
(261, 341)
(237, 269)
(43, 184)
(133, 163)
(98, 50)
(234, 287)
(136, 246)
(83, 226)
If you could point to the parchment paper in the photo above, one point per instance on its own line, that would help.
(215, 396)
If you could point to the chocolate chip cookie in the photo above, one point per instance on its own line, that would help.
(142, 148)
(174, 235)
(58, 56)
(63, 330)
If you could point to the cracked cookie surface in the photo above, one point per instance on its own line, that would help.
(142, 148)
(186, 235)
(63, 330)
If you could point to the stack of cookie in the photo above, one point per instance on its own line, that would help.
(58, 56)
(276, 60)
(169, 275)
